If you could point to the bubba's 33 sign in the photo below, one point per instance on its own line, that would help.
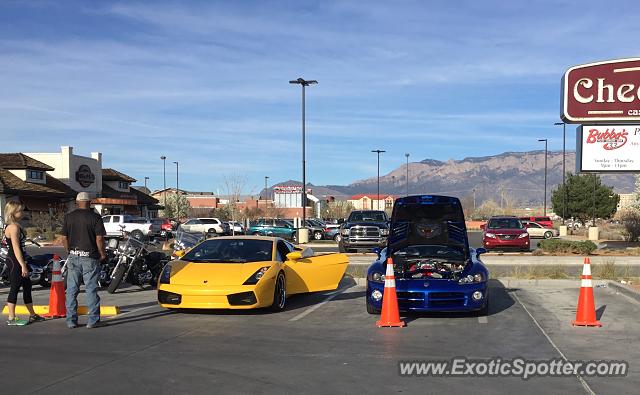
(608, 148)
(605, 91)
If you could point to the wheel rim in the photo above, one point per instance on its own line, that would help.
(338, 238)
(318, 236)
(547, 235)
(281, 292)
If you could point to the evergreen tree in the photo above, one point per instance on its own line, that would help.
(580, 198)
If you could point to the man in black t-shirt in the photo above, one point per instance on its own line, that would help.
(83, 232)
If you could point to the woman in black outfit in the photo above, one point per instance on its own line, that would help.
(18, 271)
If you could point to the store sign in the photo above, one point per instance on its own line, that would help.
(288, 189)
(84, 176)
(602, 92)
(608, 148)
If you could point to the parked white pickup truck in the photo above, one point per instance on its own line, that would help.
(138, 227)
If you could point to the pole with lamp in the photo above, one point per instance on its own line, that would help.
(407, 156)
(177, 188)
(145, 182)
(545, 174)
(266, 194)
(164, 180)
(377, 151)
(303, 235)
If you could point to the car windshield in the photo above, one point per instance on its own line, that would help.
(230, 251)
(505, 223)
(368, 216)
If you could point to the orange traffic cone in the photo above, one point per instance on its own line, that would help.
(586, 313)
(390, 314)
(56, 295)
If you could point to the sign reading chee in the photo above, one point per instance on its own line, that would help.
(604, 91)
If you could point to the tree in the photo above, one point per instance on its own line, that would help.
(487, 209)
(337, 209)
(630, 219)
(580, 198)
(637, 192)
(177, 206)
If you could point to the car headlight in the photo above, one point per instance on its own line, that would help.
(255, 277)
(384, 232)
(490, 235)
(522, 235)
(344, 232)
(472, 279)
(376, 277)
(165, 276)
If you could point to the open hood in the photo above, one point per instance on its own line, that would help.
(427, 220)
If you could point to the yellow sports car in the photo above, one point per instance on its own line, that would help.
(246, 273)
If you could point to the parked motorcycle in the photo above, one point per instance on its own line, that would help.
(40, 266)
(135, 265)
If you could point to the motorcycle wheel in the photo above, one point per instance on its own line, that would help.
(117, 279)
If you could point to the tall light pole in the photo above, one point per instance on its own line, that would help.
(545, 174)
(304, 83)
(407, 156)
(564, 171)
(177, 179)
(145, 182)
(377, 151)
(266, 194)
(164, 180)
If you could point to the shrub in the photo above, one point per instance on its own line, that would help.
(606, 270)
(630, 219)
(567, 246)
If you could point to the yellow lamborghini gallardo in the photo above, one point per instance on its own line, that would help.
(246, 273)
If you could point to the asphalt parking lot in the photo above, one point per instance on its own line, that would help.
(322, 343)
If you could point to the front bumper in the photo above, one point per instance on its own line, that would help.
(216, 297)
(513, 244)
(438, 295)
(356, 242)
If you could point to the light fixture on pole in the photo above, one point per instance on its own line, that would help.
(303, 83)
(407, 156)
(377, 151)
(545, 174)
(564, 171)
(164, 179)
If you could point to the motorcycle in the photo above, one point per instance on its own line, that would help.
(135, 265)
(185, 241)
(40, 266)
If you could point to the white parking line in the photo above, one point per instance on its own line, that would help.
(584, 383)
(317, 306)
(483, 319)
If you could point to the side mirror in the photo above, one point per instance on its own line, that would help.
(480, 251)
(180, 253)
(294, 256)
(483, 226)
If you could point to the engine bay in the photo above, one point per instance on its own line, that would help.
(429, 262)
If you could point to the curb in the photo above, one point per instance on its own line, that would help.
(623, 289)
(82, 310)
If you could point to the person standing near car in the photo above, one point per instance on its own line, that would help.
(83, 237)
(18, 270)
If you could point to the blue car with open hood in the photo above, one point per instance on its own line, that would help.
(434, 267)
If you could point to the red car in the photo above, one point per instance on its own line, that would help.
(544, 221)
(505, 233)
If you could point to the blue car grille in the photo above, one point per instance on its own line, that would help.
(410, 299)
(446, 299)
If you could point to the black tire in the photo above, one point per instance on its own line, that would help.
(279, 294)
(371, 309)
(294, 237)
(337, 238)
(318, 236)
(137, 234)
(484, 311)
(116, 278)
(548, 235)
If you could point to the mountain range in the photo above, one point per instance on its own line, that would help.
(514, 177)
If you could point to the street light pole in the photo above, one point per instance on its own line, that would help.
(266, 194)
(377, 151)
(545, 175)
(564, 171)
(164, 180)
(407, 156)
(304, 83)
(145, 182)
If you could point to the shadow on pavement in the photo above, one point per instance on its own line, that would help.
(600, 312)
(141, 317)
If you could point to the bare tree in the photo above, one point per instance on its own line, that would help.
(234, 185)
(338, 209)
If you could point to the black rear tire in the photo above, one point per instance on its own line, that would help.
(371, 309)
(117, 278)
(279, 294)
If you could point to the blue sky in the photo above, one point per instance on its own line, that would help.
(206, 83)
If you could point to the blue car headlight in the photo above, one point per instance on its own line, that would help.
(376, 277)
(472, 279)
(165, 276)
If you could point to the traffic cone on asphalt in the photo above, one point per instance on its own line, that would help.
(56, 295)
(390, 315)
(586, 313)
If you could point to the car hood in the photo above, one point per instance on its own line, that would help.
(506, 231)
(348, 225)
(213, 274)
(428, 219)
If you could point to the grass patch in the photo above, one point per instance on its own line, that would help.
(605, 271)
(552, 246)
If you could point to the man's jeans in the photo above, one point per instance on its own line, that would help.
(78, 269)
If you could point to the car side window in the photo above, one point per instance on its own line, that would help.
(115, 219)
(106, 219)
(281, 251)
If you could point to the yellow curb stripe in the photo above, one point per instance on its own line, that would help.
(82, 310)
